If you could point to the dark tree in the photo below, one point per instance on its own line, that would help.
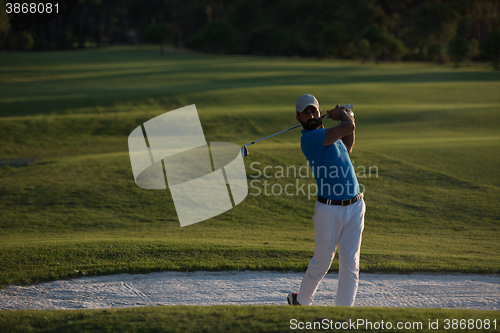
(437, 24)
(159, 34)
(218, 37)
(491, 47)
(459, 48)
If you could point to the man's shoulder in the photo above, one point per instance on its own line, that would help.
(312, 142)
(306, 134)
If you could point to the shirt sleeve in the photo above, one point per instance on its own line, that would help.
(313, 142)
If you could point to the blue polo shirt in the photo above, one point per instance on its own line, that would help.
(331, 166)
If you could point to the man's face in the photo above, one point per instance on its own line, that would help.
(310, 118)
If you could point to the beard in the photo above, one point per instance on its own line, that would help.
(312, 124)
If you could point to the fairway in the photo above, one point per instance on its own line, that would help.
(427, 153)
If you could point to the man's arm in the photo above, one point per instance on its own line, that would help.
(348, 141)
(343, 130)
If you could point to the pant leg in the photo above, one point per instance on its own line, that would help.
(327, 229)
(349, 251)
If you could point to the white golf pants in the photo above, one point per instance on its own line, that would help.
(335, 226)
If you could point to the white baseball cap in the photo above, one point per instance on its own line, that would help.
(304, 101)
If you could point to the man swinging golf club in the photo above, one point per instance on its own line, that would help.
(340, 210)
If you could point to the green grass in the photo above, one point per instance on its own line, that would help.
(429, 132)
(246, 319)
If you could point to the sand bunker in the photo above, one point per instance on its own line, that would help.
(464, 291)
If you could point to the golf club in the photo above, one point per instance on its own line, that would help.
(244, 149)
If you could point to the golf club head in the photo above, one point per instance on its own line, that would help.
(244, 151)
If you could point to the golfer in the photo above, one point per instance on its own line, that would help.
(340, 210)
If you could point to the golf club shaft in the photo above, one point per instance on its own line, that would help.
(244, 149)
(291, 128)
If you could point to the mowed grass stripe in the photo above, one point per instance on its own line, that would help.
(210, 76)
(139, 256)
(244, 319)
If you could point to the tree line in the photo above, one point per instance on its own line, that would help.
(364, 29)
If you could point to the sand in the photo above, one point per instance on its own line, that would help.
(461, 291)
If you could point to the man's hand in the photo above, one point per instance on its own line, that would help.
(344, 130)
(337, 114)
